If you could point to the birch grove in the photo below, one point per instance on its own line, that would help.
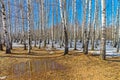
(85, 25)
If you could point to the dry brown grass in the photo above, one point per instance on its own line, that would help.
(78, 66)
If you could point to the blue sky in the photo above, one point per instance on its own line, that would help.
(69, 11)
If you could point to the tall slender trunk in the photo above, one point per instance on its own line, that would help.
(45, 22)
(9, 22)
(89, 29)
(1, 47)
(52, 29)
(70, 29)
(118, 26)
(113, 36)
(103, 36)
(84, 24)
(6, 35)
(64, 24)
(28, 15)
(93, 35)
(75, 28)
(15, 22)
(71, 35)
(42, 24)
(23, 31)
(94, 24)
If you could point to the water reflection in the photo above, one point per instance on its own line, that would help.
(34, 69)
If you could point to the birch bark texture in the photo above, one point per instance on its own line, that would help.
(6, 34)
(28, 15)
(75, 31)
(118, 26)
(87, 33)
(84, 23)
(103, 35)
(64, 23)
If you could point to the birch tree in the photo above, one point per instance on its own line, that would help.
(23, 26)
(9, 23)
(113, 25)
(29, 20)
(84, 23)
(52, 29)
(64, 24)
(1, 47)
(103, 35)
(97, 23)
(6, 34)
(94, 24)
(118, 25)
(15, 22)
(42, 24)
(75, 28)
(88, 30)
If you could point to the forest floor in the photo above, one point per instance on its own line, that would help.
(44, 64)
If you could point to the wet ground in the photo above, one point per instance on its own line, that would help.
(33, 69)
(41, 65)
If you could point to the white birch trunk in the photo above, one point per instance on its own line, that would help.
(118, 26)
(23, 31)
(28, 15)
(1, 47)
(75, 31)
(9, 23)
(6, 35)
(52, 29)
(64, 23)
(88, 30)
(42, 24)
(84, 24)
(103, 36)
(113, 36)
(94, 25)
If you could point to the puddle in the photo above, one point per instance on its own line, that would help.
(31, 69)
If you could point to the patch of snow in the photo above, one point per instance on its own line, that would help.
(3, 77)
(110, 51)
(17, 45)
(51, 52)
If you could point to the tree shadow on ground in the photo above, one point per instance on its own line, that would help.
(29, 56)
(94, 54)
(75, 53)
(14, 53)
(109, 58)
(33, 54)
(113, 60)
